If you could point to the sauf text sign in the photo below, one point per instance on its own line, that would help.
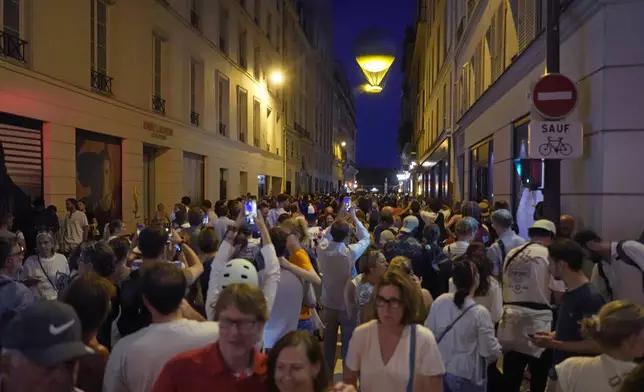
(555, 140)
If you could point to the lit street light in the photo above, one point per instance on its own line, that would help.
(277, 77)
(343, 144)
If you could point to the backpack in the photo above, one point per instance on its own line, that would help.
(621, 256)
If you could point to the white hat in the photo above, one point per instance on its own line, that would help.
(239, 271)
(410, 223)
(545, 224)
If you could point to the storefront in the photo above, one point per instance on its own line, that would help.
(434, 181)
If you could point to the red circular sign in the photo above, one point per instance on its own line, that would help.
(554, 96)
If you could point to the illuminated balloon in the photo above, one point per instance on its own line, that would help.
(375, 53)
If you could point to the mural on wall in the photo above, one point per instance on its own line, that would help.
(98, 175)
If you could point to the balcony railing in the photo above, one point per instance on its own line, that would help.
(195, 20)
(222, 129)
(12, 46)
(268, 147)
(101, 82)
(256, 142)
(158, 104)
(194, 118)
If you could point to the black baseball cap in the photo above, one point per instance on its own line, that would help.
(47, 333)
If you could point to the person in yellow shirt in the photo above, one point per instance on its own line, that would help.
(301, 266)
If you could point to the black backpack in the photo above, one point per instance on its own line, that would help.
(134, 315)
(621, 256)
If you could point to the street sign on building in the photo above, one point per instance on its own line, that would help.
(554, 96)
(555, 140)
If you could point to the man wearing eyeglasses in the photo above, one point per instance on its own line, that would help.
(14, 295)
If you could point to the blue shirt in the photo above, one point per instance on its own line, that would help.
(495, 254)
(14, 296)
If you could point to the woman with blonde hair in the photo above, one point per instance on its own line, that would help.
(618, 328)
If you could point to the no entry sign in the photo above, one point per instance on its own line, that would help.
(554, 96)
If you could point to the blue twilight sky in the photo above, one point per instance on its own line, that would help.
(377, 115)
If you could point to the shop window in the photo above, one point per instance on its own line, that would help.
(481, 168)
(527, 180)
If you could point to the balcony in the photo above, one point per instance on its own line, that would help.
(222, 129)
(101, 82)
(195, 20)
(12, 46)
(194, 118)
(158, 104)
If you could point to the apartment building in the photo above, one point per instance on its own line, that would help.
(131, 104)
(308, 95)
(344, 132)
(497, 50)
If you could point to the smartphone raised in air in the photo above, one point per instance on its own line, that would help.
(168, 230)
(205, 219)
(346, 202)
(139, 228)
(250, 207)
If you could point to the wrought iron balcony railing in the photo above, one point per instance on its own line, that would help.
(194, 118)
(158, 104)
(222, 129)
(101, 82)
(12, 46)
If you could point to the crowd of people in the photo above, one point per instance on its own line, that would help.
(423, 296)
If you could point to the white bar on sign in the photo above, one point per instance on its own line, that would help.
(560, 95)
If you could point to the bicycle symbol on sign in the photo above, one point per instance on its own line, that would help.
(556, 145)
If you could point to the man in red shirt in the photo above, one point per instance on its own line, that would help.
(233, 363)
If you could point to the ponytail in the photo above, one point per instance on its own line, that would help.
(459, 297)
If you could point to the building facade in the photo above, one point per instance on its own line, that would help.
(496, 52)
(344, 133)
(130, 104)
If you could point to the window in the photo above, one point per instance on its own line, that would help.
(158, 103)
(193, 177)
(11, 17)
(223, 104)
(269, 25)
(243, 60)
(258, 11)
(223, 30)
(194, 116)
(98, 35)
(257, 62)
(158, 47)
(195, 18)
(481, 162)
(268, 134)
(256, 122)
(242, 113)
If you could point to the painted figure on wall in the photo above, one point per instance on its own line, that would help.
(98, 176)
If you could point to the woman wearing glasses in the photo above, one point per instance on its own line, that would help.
(48, 267)
(392, 353)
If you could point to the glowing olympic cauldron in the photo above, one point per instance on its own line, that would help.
(375, 53)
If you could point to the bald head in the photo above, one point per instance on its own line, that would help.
(566, 226)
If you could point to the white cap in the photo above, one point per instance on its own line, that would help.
(410, 223)
(545, 224)
(239, 271)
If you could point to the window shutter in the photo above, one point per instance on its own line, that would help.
(498, 42)
(527, 23)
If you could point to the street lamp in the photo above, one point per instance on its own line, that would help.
(277, 77)
(343, 144)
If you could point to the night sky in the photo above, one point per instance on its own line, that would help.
(377, 115)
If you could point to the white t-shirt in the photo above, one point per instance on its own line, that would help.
(286, 310)
(54, 275)
(527, 278)
(137, 359)
(492, 301)
(456, 249)
(625, 280)
(596, 374)
(74, 225)
(365, 356)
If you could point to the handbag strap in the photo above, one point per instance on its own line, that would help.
(412, 358)
(46, 274)
(449, 327)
